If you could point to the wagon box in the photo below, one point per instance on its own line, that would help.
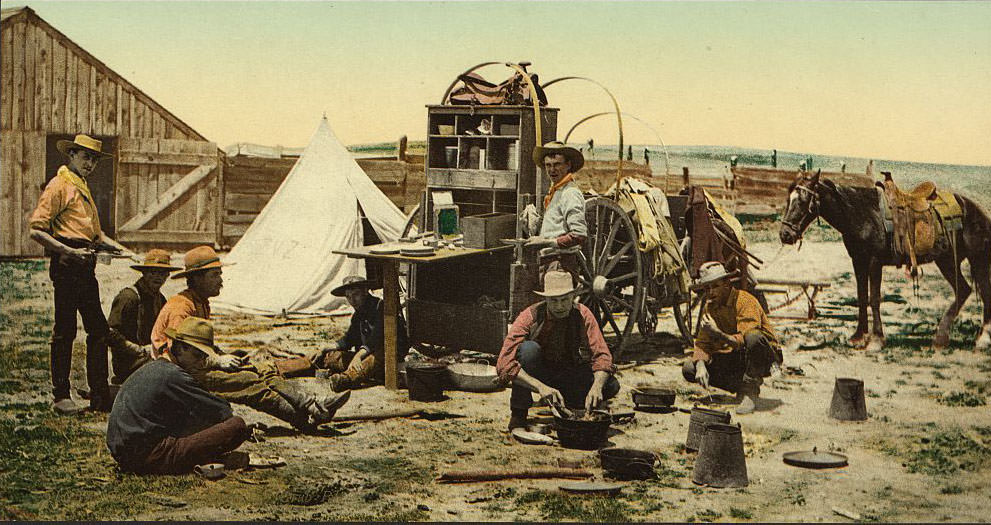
(485, 230)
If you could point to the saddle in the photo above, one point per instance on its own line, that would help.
(914, 222)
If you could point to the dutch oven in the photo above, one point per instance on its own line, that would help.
(653, 397)
(628, 463)
(578, 432)
(473, 377)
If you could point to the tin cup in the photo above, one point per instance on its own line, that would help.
(103, 258)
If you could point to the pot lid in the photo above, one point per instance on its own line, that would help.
(531, 438)
(592, 487)
(815, 459)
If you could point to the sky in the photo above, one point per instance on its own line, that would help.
(885, 80)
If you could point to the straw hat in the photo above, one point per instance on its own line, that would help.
(573, 156)
(156, 260)
(556, 284)
(195, 331)
(711, 273)
(198, 259)
(82, 142)
(353, 281)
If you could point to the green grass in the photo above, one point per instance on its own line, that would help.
(962, 399)
(740, 514)
(554, 506)
(948, 452)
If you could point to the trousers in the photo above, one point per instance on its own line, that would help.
(175, 455)
(573, 380)
(76, 290)
(743, 369)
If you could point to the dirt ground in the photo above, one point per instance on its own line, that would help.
(924, 454)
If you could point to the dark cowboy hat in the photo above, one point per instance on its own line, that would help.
(353, 281)
(573, 156)
(82, 142)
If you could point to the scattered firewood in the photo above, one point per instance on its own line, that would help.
(468, 476)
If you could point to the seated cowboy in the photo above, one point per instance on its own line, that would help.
(133, 315)
(365, 336)
(563, 228)
(555, 348)
(736, 346)
(163, 422)
(257, 385)
(204, 278)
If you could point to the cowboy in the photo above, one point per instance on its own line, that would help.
(257, 385)
(736, 347)
(204, 279)
(164, 422)
(365, 335)
(563, 228)
(66, 223)
(133, 314)
(555, 348)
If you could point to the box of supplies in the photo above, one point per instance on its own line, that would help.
(486, 230)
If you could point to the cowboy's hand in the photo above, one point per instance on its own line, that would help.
(551, 395)
(78, 254)
(702, 373)
(593, 399)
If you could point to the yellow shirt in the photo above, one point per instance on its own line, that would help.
(739, 314)
(64, 209)
(180, 306)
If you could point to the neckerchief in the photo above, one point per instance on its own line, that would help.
(557, 185)
(77, 181)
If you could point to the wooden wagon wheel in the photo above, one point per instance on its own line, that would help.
(412, 223)
(411, 229)
(611, 270)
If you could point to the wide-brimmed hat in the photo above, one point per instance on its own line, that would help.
(573, 156)
(82, 142)
(156, 260)
(711, 273)
(195, 331)
(353, 281)
(557, 283)
(199, 259)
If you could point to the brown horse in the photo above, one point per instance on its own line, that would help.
(856, 213)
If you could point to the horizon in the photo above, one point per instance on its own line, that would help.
(888, 80)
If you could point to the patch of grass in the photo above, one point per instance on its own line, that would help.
(395, 473)
(740, 514)
(951, 489)
(962, 399)
(401, 516)
(794, 494)
(947, 452)
(561, 507)
(981, 386)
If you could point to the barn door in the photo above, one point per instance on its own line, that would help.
(168, 192)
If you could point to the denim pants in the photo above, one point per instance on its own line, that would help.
(573, 381)
(743, 369)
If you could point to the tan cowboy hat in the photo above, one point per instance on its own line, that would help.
(573, 156)
(156, 260)
(711, 273)
(556, 284)
(353, 281)
(81, 142)
(198, 259)
(195, 331)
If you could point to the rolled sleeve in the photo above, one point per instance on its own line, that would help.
(507, 366)
(50, 203)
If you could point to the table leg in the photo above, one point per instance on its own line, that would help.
(390, 307)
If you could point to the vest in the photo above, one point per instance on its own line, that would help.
(576, 348)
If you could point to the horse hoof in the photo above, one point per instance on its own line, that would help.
(941, 341)
(858, 341)
(875, 344)
(983, 342)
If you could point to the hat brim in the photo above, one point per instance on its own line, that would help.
(342, 289)
(143, 267)
(203, 347)
(716, 280)
(555, 294)
(65, 145)
(204, 268)
(573, 156)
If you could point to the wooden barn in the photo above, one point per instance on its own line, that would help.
(164, 183)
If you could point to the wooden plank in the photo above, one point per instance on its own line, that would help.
(96, 99)
(8, 230)
(234, 229)
(167, 237)
(72, 63)
(245, 202)
(159, 125)
(165, 158)
(44, 94)
(147, 121)
(17, 182)
(83, 122)
(6, 79)
(32, 177)
(168, 197)
(59, 68)
(168, 177)
(240, 218)
(110, 112)
(30, 55)
(17, 52)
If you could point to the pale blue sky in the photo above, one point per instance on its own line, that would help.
(907, 81)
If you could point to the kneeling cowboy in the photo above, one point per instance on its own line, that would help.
(736, 346)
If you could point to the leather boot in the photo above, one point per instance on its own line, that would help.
(295, 411)
(747, 396)
(312, 410)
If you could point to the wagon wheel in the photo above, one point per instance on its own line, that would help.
(412, 223)
(683, 316)
(647, 324)
(412, 228)
(611, 270)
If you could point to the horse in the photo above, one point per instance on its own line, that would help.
(856, 213)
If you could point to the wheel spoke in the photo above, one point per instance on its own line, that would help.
(600, 258)
(623, 278)
(626, 306)
(614, 260)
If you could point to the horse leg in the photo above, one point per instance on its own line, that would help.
(860, 273)
(877, 334)
(950, 269)
(980, 271)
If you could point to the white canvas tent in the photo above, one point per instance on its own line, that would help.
(285, 259)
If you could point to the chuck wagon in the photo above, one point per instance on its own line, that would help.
(478, 161)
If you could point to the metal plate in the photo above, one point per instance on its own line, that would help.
(591, 487)
(815, 459)
(531, 438)
(385, 250)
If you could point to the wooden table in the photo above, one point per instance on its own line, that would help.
(781, 286)
(390, 291)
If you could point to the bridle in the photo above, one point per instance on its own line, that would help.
(811, 211)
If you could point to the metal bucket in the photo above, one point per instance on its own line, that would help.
(848, 400)
(696, 425)
(426, 381)
(721, 461)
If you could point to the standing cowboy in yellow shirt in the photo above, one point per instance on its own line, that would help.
(66, 222)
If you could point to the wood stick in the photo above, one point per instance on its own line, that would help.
(469, 476)
(378, 416)
(847, 514)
